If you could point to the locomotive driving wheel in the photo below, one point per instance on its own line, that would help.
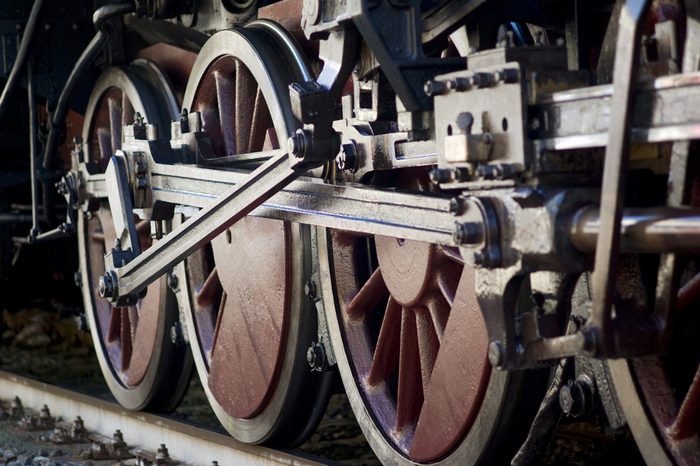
(411, 347)
(248, 320)
(660, 394)
(143, 368)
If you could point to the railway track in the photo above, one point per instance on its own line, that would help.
(142, 432)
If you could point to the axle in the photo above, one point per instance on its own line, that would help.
(656, 230)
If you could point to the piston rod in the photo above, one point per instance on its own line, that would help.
(650, 230)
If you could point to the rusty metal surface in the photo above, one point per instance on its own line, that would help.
(415, 336)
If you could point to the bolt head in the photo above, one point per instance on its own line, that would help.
(576, 396)
(566, 399)
(441, 175)
(432, 88)
(467, 233)
(316, 357)
(457, 205)
(496, 353)
(172, 281)
(311, 357)
(105, 286)
(310, 289)
(298, 143)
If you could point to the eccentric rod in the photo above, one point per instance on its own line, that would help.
(656, 230)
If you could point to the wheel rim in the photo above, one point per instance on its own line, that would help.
(660, 395)
(141, 366)
(453, 425)
(248, 314)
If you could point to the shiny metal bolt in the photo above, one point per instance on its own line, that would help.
(298, 143)
(173, 281)
(575, 398)
(467, 233)
(105, 287)
(310, 289)
(432, 88)
(442, 175)
(496, 353)
(316, 357)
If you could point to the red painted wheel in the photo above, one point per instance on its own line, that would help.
(411, 346)
(143, 368)
(660, 395)
(249, 321)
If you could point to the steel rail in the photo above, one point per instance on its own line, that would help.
(186, 443)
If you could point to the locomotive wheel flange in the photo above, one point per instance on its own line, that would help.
(660, 394)
(142, 366)
(411, 346)
(249, 321)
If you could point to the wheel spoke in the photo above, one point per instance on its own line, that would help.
(410, 390)
(143, 231)
(144, 325)
(373, 291)
(439, 308)
(458, 381)
(210, 290)
(447, 289)
(261, 122)
(271, 141)
(386, 354)
(347, 238)
(97, 237)
(127, 111)
(453, 254)
(125, 338)
(686, 423)
(226, 99)
(115, 124)
(688, 294)
(217, 329)
(245, 106)
(104, 141)
(115, 322)
(428, 344)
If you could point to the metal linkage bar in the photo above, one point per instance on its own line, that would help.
(310, 201)
(122, 285)
(364, 210)
(580, 118)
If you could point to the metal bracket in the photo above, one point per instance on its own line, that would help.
(121, 206)
(313, 102)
